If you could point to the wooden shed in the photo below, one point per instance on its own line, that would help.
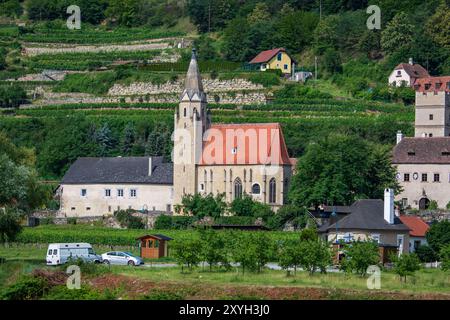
(153, 246)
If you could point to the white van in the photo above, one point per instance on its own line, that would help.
(60, 253)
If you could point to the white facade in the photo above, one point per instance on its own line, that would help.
(415, 242)
(78, 200)
(400, 78)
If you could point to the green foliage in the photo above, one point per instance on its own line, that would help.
(12, 96)
(406, 265)
(267, 79)
(214, 248)
(296, 216)
(46, 221)
(158, 294)
(397, 34)
(433, 205)
(295, 91)
(98, 83)
(163, 222)
(126, 219)
(340, 169)
(187, 252)
(72, 221)
(358, 256)
(448, 206)
(426, 254)
(63, 293)
(445, 257)
(438, 236)
(9, 224)
(11, 8)
(315, 255)
(26, 288)
(289, 255)
(202, 206)
(308, 234)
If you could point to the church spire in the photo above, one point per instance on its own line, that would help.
(193, 84)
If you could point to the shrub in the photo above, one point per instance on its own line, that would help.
(158, 294)
(187, 252)
(63, 293)
(47, 220)
(127, 220)
(426, 254)
(26, 288)
(438, 235)
(163, 222)
(445, 258)
(406, 265)
(448, 206)
(72, 221)
(433, 205)
(359, 256)
(267, 79)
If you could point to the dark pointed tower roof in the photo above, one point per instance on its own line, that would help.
(193, 87)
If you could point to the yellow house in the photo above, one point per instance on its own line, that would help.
(274, 59)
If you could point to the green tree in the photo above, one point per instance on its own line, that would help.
(445, 257)
(9, 224)
(289, 255)
(325, 35)
(124, 12)
(105, 140)
(213, 248)
(426, 254)
(438, 236)
(12, 96)
(246, 206)
(129, 136)
(438, 25)
(338, 169)
(315, 255)
(397, 34)
(187, 252)
(308, 234)
(259, 14)
(201, 206)
(359, 256)
(236, 40)
(244, 252)
(406, 265)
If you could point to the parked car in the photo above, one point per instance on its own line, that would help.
(61, 253)
(121, 258)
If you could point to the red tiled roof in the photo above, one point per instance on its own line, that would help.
(418, 227)
(265, 56)
(415, 70)
(248, 143)
(431, 84)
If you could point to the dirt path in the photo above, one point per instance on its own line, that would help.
(134, 288)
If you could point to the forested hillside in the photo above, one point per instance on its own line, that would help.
(109, 89)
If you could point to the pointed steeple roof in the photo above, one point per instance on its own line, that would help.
(193, 84)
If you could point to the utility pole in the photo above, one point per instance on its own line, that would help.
(315, 66)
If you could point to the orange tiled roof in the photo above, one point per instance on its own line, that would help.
(418, 227)
(245, 144)
(431, 84)
(265, 56)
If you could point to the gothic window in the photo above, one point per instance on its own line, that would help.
(272, 191)
(237, 188)
(256, 189)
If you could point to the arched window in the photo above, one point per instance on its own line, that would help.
(237, 188)
(272, 191)
(256, 189)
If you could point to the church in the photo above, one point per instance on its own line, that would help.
(208, 158)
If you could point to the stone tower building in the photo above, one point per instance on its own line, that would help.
(432, 107)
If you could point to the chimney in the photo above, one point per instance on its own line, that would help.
(389, 206)
(150, 166)
(399, 136)
(411, 61)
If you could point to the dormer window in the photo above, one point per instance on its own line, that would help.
(411, 153)
(427, 86)
(446, 153)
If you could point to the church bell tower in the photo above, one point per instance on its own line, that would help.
(191, 121)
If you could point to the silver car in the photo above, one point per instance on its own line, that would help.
(121, 258)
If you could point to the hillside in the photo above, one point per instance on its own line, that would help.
(109, 88)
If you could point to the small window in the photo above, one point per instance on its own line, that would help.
(280, 56)
(376, 237)
(438, 85)
(234, 151)
(50, 252)
(430, 135)
(107, 192)
(73, 208)
(431, 117)
(286, 67)
(144, 244)
(256, 189)
(399, 72)
(120, 192)
(150, 243)
(427, 86)
(184, 112)
(83, 192)
(424, 177)
(446, 153)
(55, 251)
(437, 177)
(202, 187)
(88, 208)
(109, 208)
(411, 153)
(156, 243)
(133, 193)
(406, 177)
